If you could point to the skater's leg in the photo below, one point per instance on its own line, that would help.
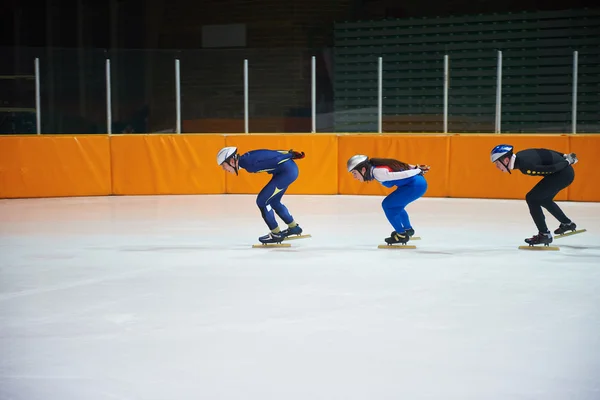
(556, 211)
(282, 181)
(543, 194)
(412, 192)
(404, 219)
(269, 198)
(392, 207)
(394, 204)
(266, 211)
(281, 210)
(283, 213)
(559, 181)
(535, 209)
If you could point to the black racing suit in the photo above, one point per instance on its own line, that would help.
(557, 174)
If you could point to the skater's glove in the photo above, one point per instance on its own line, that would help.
(296, 154)
(423, 167)
(571, 158)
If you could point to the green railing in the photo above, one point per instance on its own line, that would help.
(532, 55)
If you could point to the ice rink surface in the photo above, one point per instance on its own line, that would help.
(163, 298)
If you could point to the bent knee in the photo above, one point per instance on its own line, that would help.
(387, 203)
(261, 202)
(533, 197)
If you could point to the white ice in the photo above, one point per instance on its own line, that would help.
(163, 298)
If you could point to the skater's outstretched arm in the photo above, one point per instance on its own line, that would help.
(384, 174)
(263, 160)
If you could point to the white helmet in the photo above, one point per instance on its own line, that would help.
(355, 161)
(225, 154)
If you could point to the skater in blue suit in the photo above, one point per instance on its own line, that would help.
(280, 164)
(410, 185)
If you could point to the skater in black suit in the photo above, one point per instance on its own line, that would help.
(557, 172)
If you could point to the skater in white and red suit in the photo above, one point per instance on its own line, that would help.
(410, 185)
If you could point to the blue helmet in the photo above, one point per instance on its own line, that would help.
(500, 151)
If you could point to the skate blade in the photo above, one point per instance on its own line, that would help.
(570, 233)
(415, 238)
(294, 237)
(538, 247)
(270, 245)
(396, 246)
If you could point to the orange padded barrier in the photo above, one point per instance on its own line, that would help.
(317, 171)
(65, 165)
(472, 174)
(166, 164)
(412, 149)
(53, 166)
(586, 186)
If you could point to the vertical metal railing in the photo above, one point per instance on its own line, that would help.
(177, 96)
(498, 127)
(38, 111)
(108, 99)
(246, 130)
(380, 95)
(574, 105)
(446, 85)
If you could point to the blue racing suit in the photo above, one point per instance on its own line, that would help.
(284, 170)
(410, 185)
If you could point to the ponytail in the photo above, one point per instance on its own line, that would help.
(394, 165)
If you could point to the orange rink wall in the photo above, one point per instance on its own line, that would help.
(91, 165)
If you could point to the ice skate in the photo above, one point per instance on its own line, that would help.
(397, 241)
(541, 238)
(571, 226)
(567, 230)
(296, 230)
(397, 238)
(271, 240)
(293, 233)
(410, 233)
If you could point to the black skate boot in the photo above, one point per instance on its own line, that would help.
(540, 238)
(565, 228)
(410, 232)
(271, 238)
(292, 231)
(397, 238)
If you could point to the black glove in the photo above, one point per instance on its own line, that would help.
(296, 155)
